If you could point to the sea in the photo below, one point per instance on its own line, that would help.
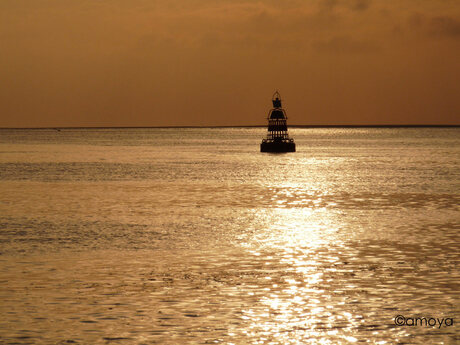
(193, 236)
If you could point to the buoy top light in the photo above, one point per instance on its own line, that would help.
(276, 99)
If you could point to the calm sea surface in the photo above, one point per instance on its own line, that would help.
(192, 236)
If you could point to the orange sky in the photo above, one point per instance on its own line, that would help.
(203, 62)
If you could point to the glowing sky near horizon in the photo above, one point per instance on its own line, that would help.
(202, 62)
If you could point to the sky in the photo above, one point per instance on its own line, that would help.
(66, 63)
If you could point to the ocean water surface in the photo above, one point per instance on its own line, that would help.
(192, 236)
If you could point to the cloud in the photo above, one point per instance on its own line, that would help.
(345, 45)
(356, 5)
(435, 26)
(329, 4)
(361, 5)
(444, 26)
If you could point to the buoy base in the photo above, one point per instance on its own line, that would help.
(277, 146)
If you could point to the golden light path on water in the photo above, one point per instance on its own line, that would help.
(292, 312)
(301, 305)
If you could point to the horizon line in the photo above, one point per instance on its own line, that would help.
(245, 126)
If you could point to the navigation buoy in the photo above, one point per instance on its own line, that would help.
(277, 139)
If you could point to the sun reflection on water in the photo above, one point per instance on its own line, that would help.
(298, 305)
